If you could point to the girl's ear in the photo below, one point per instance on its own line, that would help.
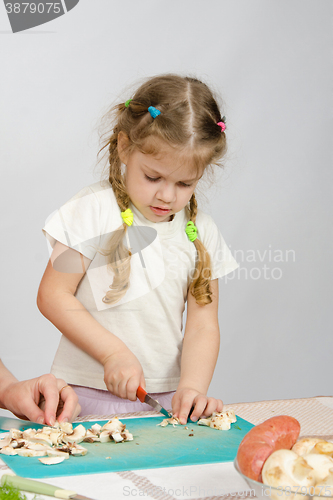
(122, 146)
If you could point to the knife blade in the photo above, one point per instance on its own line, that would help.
(38, 487)
(7, 423)
(145, 398)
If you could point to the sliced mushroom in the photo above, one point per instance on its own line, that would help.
(15, 434)
(73, 449)
(127, 435)
(52, 460)
(26, 452)
(221, 421)
(52, 452)
(77, 436)
(18, 443)
(78, 451)
(114, 425)
(57, 443)
(91, 437)
(117, 437)
(28, 434)
(8, 450)
(66, 427)
(105, 436)
(169, 421)
(5, 441)
(38, 446)
(96, 428)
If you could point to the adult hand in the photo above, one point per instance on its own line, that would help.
(56, 399)
(123, 374)
(186, 398)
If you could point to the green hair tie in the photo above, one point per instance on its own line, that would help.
(127, 216)
(191, 231)
(127, 103)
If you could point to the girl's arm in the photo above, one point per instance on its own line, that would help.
(57, 302)
(22, 398)
(200, 351)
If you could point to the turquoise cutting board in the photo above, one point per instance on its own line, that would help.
(153, 446)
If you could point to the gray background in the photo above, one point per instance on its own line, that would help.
(271, 63)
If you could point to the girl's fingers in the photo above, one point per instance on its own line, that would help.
(132, 387)
(219, 406)
(184, 410)
(200, 404)
(211, 407)
(122, 389)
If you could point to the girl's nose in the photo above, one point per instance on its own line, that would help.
(166, 193)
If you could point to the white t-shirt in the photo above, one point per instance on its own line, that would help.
(149, 318)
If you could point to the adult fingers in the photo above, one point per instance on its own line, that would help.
(49, 388)
(70, 401)
(30, 411)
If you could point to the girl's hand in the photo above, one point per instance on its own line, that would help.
(123, 374)
(186, 398)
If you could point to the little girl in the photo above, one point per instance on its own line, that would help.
(128, 253)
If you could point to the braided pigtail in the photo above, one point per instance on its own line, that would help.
(119, 256)
(200, 285)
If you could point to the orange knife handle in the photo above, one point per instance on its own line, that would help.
(141, 394)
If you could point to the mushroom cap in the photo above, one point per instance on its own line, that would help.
(321, 465)
(305, 445)
(286, 468)
(325, 487)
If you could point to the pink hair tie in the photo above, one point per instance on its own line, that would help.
(222, 125)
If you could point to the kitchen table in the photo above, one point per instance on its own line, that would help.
(196, 482)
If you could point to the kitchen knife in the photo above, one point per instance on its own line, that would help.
(38, 487)
(145, 398)
(7, 423)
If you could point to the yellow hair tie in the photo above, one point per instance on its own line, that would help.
(191, 231)
(127, 216)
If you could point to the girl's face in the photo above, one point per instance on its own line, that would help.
(159, 186)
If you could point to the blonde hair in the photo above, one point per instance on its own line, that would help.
(188, 122)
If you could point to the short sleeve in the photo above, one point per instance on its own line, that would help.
(76, 224)
(222, 260)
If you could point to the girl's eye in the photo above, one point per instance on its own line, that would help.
(152, 179)
(155, 179)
